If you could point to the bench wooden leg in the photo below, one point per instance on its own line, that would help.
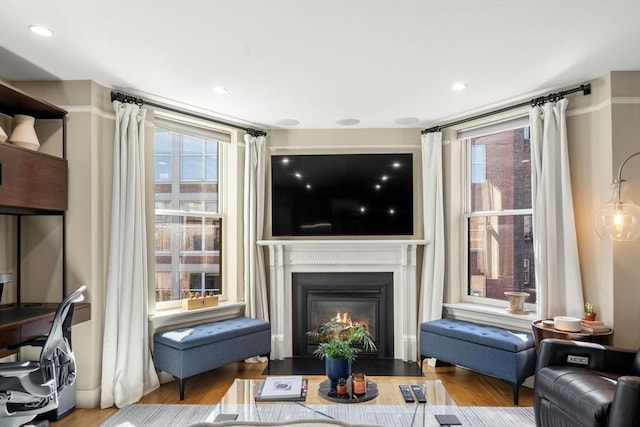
(516, 390)
(181, 382)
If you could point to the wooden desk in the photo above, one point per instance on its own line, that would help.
(541, 332)
(27, 321)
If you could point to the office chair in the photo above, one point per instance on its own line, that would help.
(31, 388)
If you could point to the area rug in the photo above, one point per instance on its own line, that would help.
(383, 415)
(372, 367)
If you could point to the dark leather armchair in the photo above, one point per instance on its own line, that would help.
(579, 384)
(28, 389)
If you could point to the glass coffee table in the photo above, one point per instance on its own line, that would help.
(387, 409)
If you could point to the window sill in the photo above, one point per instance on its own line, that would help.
(179, 317)
(490, 315)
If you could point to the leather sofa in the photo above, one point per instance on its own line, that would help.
(579, 384)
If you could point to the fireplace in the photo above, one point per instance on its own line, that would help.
(290, 257)
(349, 298)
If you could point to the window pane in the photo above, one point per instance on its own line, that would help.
(163, 168)
(211, 168)
(162, 142)
(500, 256)
(507, 168)
(163, 286)
(478, 164)
(191, 206)
(179, 250)
(191, 168)
(192, 145)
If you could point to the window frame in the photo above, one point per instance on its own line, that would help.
(464, 136)
(206, 130)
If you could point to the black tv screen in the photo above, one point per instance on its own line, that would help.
(342, 194)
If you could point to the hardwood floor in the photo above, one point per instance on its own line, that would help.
(467, 389)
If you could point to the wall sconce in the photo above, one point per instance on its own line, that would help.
(619, 219)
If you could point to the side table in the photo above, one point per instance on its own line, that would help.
(541, 332)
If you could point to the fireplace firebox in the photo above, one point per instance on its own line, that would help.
(349, 298)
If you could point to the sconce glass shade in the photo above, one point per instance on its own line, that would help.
(619, 218)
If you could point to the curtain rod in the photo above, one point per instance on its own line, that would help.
(117, 96)
(541, 100)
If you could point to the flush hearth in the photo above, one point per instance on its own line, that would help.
(350, 299)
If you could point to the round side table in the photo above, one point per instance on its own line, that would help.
(541, 332)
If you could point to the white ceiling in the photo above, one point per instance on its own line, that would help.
(319, 62)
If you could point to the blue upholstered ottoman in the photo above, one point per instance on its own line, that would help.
(188, 351)
(501, 353)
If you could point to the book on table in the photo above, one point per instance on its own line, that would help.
(291, 388)
(595, 327)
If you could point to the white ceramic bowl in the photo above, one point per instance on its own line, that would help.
(567, 323)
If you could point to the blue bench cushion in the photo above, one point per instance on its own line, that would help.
(489, 336)
(207, 333)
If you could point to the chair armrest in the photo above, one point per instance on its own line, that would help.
(625, 408)
(18, 369)
(35, 342)
(556, 352)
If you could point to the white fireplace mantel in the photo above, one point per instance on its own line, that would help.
(323, 256)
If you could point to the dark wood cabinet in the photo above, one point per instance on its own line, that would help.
(31, 182)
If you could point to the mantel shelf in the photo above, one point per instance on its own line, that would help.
(362, 242)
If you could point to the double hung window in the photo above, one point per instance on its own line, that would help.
(497, 218)
(188, 222)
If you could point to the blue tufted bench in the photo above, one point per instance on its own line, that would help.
(188, 351)
(508, 355)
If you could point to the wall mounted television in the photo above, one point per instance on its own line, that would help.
(342, 194)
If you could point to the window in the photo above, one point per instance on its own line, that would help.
(188, 222)
(478, 164)
(497, 218)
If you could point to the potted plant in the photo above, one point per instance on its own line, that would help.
(336, 346)
(589, 312)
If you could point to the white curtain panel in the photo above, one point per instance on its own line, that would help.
(255, 282)
(557, 265)
(432, 286)
(127, 368)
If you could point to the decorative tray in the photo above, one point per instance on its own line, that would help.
(324, 391)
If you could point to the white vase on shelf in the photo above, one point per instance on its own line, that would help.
(24, 133)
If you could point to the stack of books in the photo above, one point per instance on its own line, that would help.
(595, 327)
(283, 388)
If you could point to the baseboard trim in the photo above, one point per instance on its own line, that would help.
(88, 398)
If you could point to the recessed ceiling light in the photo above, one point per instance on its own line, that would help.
(219, 89)
(407, 120)
(40, 30)
(458, 86)
(287, 122)
(348, 122)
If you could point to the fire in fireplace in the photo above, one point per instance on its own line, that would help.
(348, 298)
